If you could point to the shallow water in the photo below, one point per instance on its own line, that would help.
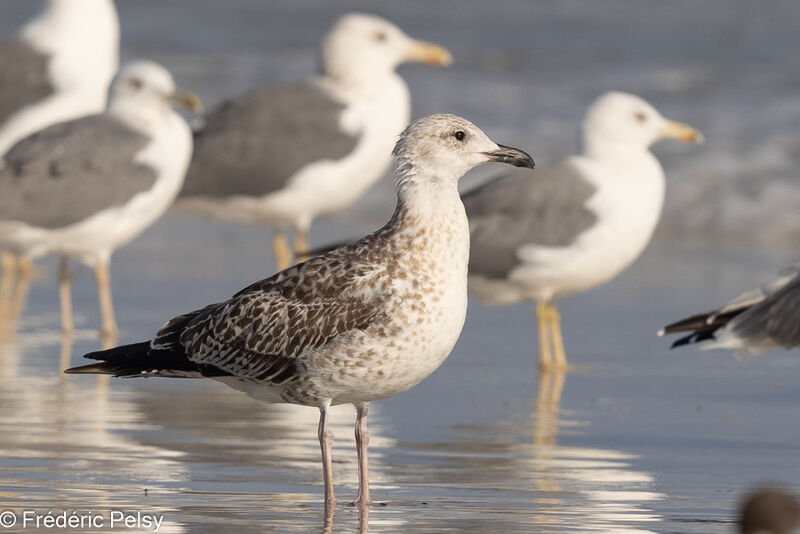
(636, 439)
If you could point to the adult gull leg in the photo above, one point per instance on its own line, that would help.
(65, 295)
(25, 273)
(7, 286)
(103, 277)
(545, 358)
(283, 255)
(301, 246)
(559, 356)
(362, 440)
(326, 442)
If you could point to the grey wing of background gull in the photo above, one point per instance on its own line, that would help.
(253, 144)
(72, 170)
(259, 333)
(23, 77)
(775, 318)
(546, 208)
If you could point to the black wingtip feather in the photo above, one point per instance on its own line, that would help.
(694, 337)
(125, 360)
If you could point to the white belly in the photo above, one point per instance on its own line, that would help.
(628, 211)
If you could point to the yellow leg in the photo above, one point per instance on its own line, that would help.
(25, 274)
(542, 319)
(283, 255)
(66, 351)
(109, 323)
(301, 246)
(65, 296)
(559, 356)
(7, 286)
(557, 389)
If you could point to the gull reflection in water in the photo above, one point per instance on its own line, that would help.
(613, 495)
(59, 443)
(511, 472)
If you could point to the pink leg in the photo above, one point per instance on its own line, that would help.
(325, 443)
(362, 440)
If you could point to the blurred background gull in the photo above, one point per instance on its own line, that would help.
(57, 67)
(283, 154)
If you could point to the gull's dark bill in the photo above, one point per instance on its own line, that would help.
(511, 156)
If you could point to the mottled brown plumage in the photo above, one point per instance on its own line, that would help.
(360, 323)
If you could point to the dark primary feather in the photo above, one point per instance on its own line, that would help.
(140, 359)
(23, 77)
(251, 145)
(703, 326)
(769, 315)
(260, 332)
(546, 208)
(72, 170)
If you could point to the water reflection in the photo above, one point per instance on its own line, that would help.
(17, 274)
(71, 442)
(362, 524)
(517, 463)
(614, 495)
(60, 447)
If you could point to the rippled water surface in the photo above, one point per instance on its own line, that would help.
(635, 439)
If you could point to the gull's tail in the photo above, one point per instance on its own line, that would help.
(126, 360)
(142, 360)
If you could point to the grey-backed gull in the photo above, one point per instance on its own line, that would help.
(58, 67)
(360, 323)
(579, 223)
(281, 155)
(759, 320)
(85, 187)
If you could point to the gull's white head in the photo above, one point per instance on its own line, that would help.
(143, 88)
(626, 119)
(445, 146)
(361, 46)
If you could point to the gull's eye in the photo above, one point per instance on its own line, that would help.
(640, 116)
(379, 36)
(136, 83)
(460, 135)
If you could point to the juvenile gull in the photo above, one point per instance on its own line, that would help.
(281, 155)
(360, 323)
(86, 187)
(759, 320)
(577, 224)
(58, 67)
